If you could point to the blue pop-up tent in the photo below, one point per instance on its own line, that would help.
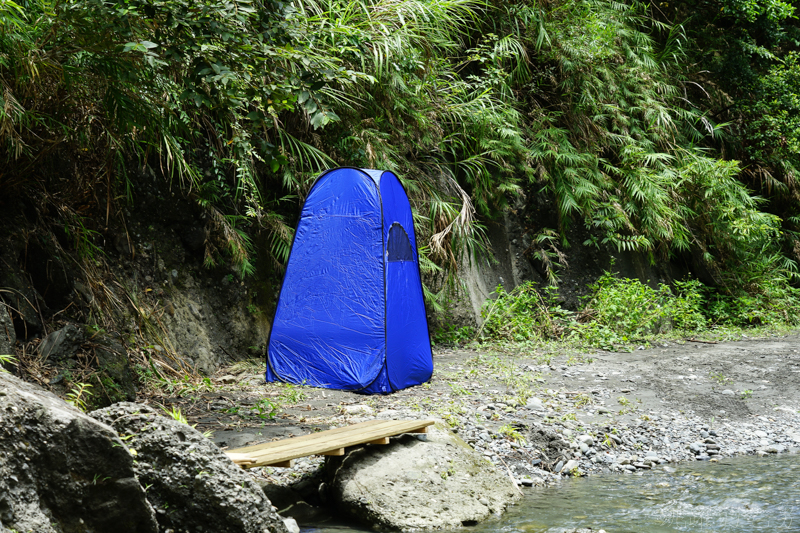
(351, 313)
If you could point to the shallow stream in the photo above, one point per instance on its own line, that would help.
(734, 495)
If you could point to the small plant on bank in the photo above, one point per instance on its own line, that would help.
(265, 409)
(582, 400)
(451, 420)
(176, 414)
(291, 394)
(79, 396)
(512, 433)
(459, 390)
(720, 378)
(6, 359)
(747, 394)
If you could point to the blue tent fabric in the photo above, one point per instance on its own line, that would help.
(351, 313)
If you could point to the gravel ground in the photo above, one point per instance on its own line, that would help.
(540, 414)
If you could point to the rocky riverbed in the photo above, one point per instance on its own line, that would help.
(540, 413)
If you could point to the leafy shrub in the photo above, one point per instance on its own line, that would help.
(687, 307)
(622, 309)
(453, 335)
(776, 305)
(524, 314)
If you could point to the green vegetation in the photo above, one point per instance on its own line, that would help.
(511, 433)
(621, 312)
(176, 414)
(6, 359)
(79, 396)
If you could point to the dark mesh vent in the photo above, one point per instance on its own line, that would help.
(399, 248)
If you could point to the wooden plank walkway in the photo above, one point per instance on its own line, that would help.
(330, 442)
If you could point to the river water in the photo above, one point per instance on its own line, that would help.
(735, 495)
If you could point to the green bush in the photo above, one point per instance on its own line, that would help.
(524, 314)
(622, 310)
(776, 305)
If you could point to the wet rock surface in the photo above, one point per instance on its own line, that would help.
(191, 484)
(435, 481)
(62, 471)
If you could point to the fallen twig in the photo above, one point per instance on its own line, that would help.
(704, 342)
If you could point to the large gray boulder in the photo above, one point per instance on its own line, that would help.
(434, 482)
(191, 483)
(62, 471)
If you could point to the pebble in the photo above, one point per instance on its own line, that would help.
(570, 466)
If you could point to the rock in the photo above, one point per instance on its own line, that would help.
(8, 337)
(728, 392)
(551, 444)
(587, 439)
(527, 481)
(408, 484)
(357, 409)
(534, 403)
(570, 467)
(62, 471)
(291, 525)
(191, 483)
(61, 344)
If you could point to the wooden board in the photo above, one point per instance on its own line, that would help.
(330, 442)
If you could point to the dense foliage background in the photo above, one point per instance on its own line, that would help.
(666, 128)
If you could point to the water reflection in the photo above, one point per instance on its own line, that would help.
(735, 495)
